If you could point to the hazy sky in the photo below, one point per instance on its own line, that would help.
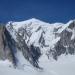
(46, 10)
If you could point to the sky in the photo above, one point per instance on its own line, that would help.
(45, 10)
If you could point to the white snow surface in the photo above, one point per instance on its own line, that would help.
(64, 66)
(73, 35)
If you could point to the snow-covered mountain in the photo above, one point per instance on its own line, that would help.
(35, 43)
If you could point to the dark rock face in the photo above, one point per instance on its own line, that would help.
(31, 53)
(2, 54)
(65, 45)
(35, 54)
(9, 41)
(41, 40)
(5, 52)
(72, 25)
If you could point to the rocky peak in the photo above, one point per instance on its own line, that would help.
(35, 38)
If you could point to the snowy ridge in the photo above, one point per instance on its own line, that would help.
(33, 30)
(36, 28)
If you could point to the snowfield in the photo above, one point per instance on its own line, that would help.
(64, 66)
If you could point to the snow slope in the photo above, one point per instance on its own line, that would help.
(64, 66)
